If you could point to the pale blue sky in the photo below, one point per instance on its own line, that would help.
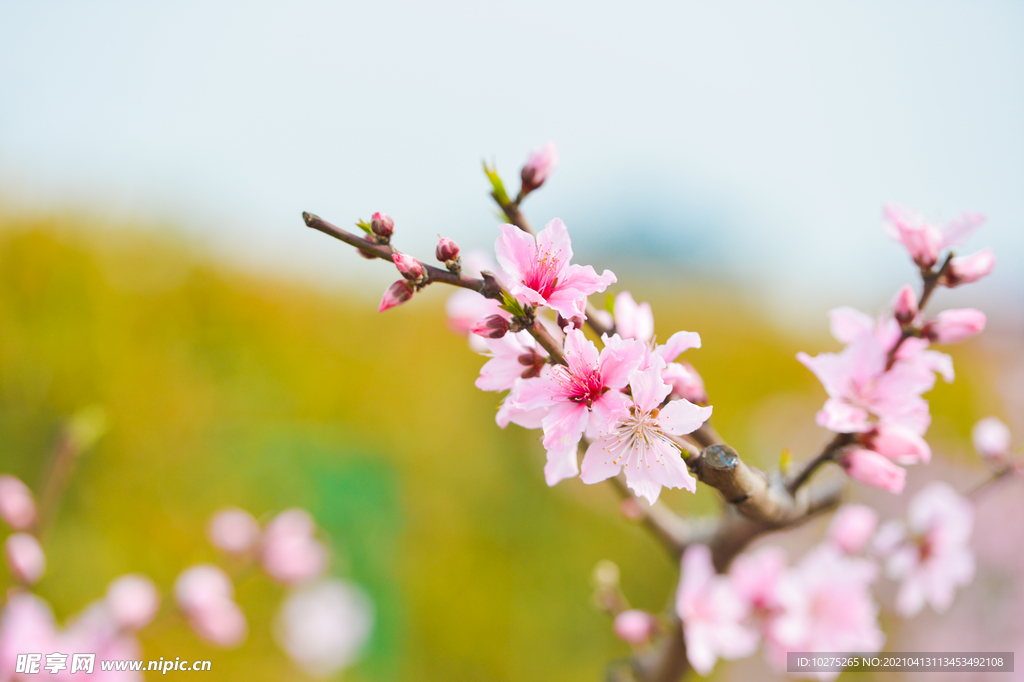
(762, 138)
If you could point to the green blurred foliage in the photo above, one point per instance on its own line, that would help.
(223, 388)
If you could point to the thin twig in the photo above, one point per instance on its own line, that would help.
(827, 454)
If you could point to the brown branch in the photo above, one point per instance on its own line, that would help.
(486, 286)
(826, 455)
(545, 340)
(674, 532)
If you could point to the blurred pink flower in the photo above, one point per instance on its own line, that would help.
(925, 241)
(205, 593)
(290, 553)
(539, 272)
(513, 356)
(234, 531)
(713, 614)
(633, 320)
(466, 309)
(755, 577)
(17, 507)
(635, 627)
(967, 269)
(323, 627)
(930, 555)
(871, 468)
(540, 163)
(825, 606)
(25, 558)
(638, 439)
(992, 441)
(953, 326)
(133, 601)
(580, 398)
(859, 384)
(686, 383)
(851, 527)
(26, 626)
(395, 295)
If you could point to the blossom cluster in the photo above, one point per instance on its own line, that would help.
(323, 623)
(875, 384)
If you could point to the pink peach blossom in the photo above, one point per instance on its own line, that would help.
(933, 556)
(967, 269)
(395, 295)
(955, 325)
(578, 398)
(26, 626)
(234, 531)
(860, 385)
(925, 241)
(686, 383)
(17, 507)
(851, 527)
(539, 165)
(638, 440)
(323, 627)
(713, 614)
(513, 356)
(538, 269)
(871, 468)
(133, 601)
(633, 320)
(825, 605)
(205, 593)
(755, 577)
(898, 443)
(992, 441)
(635, 627)
(25, 557)
(290, 553)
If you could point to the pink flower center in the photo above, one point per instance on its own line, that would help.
(585, 385)
(542, 276)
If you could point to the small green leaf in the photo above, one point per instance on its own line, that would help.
(364, 226)
(511, 305)
(500, 195)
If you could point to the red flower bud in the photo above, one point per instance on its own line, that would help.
(446, 250)
(493, 327)
(383, 226)
(905, 305)
(396, 294)
(410, 268)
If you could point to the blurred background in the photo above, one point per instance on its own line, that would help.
(729, 162)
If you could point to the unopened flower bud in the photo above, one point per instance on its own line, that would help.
(952, 326)
(17, 507)
(25, 557)
(967, 269)
(493, 327)
(410, 268)
(396, 294)
(904, 306)
(898, 443)
(446, 250)
(366, 254)
(539, 165)
(635, 627)
(852, 527)
(992, 441)
(383, 226)
(575, 322)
